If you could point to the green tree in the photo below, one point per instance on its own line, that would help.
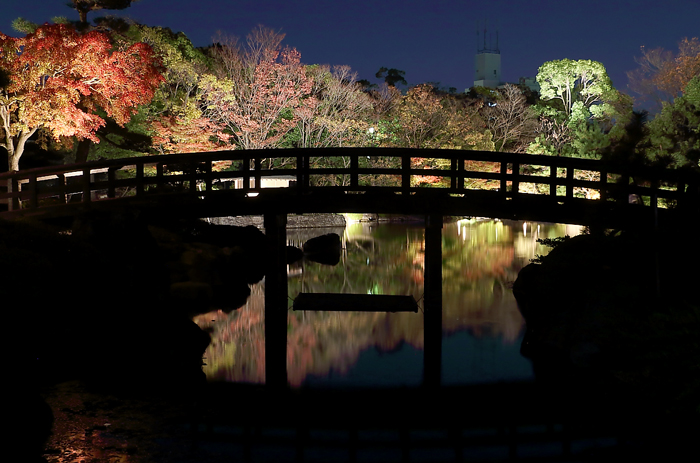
(576, 86)
(674, 134)
(175, 117)
(579, 108)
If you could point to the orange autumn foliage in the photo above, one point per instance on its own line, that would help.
(663, 75)
(59, 79)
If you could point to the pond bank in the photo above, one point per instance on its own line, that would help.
(293, 221)
(296, 221)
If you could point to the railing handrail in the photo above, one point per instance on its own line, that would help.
(465, 155)
(201, 172)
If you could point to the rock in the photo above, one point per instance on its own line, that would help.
(234, 296)
(324, 249)
(294, 254)
(192, 296)
(580, 300)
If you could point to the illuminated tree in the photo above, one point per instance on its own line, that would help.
(674, 134)
(174, 119)
(511, 121)
(339, 117)
(577, 109)
(259, 91)
(423, 119)
(576, 85)
(60, 80)
(663, 75)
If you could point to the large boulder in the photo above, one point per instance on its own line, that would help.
(605, 316)
(324, 249)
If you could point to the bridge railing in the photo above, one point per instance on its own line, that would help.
(507, 176)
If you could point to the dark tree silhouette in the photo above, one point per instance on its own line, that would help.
(392, 76)
(83, 7)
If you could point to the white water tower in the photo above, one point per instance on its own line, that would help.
(487, 63)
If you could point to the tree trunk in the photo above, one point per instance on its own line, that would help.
(83, 150)
(82, 14)
(13, 162)
(15, 151)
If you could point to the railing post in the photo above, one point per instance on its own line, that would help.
(307, 166)
(569, 183)
(354, 170)
(516, 179)
(553, 179)
(139, 178)
(301, 173)
(603, 185)
(61, 187)
(33, 194)
(208, 181)
(86, 185)
(257, 167)
(654, 196)
(111, 179)
(17, 193)
(159, 176)
(405, 174)
(193, 176)
(504, 179)
(246, 173)
(457, 168)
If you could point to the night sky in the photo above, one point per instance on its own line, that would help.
(431, 40)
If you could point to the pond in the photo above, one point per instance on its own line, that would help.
(482, 327)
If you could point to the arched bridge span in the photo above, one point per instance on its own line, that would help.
(470, 183)
(448, 182)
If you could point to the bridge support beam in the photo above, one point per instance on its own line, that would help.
(276, 301)
(432, 302)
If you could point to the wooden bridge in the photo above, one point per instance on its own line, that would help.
(465, 183)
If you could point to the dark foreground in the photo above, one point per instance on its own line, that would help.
(85, 312)
(236, 423)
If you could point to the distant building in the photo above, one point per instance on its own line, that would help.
(530, 82)
(488, 70)
(487, 64)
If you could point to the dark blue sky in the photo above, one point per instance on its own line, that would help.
(432, 40)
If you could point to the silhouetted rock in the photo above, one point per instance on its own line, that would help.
(294, 254)
(324, 249)
(593, 305)
(235, 296)
(28, 424)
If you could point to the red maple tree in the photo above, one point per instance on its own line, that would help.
(173, 134)
(60, 79)
(260, 92)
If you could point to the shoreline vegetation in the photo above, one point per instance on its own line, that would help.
(615, 315)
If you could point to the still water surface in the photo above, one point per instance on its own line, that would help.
(482, 327)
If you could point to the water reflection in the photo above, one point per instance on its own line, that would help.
(482, 327)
